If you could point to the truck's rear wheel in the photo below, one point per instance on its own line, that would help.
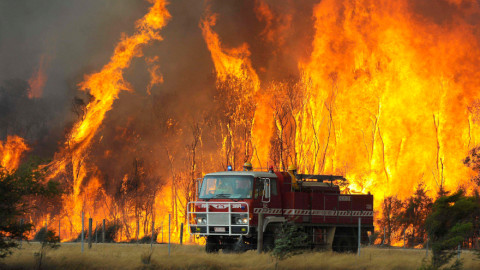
(345, 241)
(344, 244)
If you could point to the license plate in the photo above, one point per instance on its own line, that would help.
(219, 229)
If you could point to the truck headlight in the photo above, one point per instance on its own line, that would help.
(240, 221)
(201, 221)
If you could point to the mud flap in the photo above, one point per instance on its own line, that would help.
(330, 237)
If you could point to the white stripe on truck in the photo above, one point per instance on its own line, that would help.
(302, 212)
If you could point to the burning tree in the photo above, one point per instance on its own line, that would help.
(413, 215)
(391, 210)
(288, 101)
(473, 161)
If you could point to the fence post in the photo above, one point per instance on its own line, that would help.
(153, 233)
(458, 252)
(181, 233)
(90, 233)
(59, 227)
(384, 242)
(161, 229)
(21, 234)
(103, 232)
(404, 230)
(46, 229)
(96, 232)
(83, 228)
(359, 234)
(260, 233)
(169, 234)
(426, 252)
(138, 229)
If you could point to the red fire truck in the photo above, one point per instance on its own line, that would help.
(229, 203)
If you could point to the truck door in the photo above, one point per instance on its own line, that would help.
(274, 206)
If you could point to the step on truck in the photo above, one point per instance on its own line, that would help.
(230, 203)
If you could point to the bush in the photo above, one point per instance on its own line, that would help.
(49, 241)
(146, 257)
(450, 222)
(111, 231)
(14, 187)
(289, 241)
(40, 235)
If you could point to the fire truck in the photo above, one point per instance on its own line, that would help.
(237, 209)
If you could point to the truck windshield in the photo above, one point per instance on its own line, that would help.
(227, 186)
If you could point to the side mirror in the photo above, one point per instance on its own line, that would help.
(266, 190)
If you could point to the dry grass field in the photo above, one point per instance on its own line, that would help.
(129, 256)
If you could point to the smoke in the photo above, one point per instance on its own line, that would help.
(76, 38)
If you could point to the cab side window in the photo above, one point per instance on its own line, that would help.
(259, 188)
(273, 184)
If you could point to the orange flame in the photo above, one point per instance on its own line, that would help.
(388, 97)
(154, 70)
(104, 87)
(233, 67)
(11, 152)
(385, 96)
(233, 62)
(38, 79)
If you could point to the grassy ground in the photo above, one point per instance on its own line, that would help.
(129, 256)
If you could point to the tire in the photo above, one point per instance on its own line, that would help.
(240, 246)
(345, 241)
(228, 245)
(212, 245)
(268, 242)
(341, 244)
(269, 238)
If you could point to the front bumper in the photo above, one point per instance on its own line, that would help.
(218, 218)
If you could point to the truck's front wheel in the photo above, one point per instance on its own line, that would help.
(212, 245)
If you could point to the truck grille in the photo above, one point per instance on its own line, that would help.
(218, 223)
(218, 218)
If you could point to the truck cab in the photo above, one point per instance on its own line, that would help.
(223, 212)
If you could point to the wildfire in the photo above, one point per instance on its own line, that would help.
(384, 93)
(231, 63)
(11, 152)
(393, 93)
(104, 87)
(384, 97)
